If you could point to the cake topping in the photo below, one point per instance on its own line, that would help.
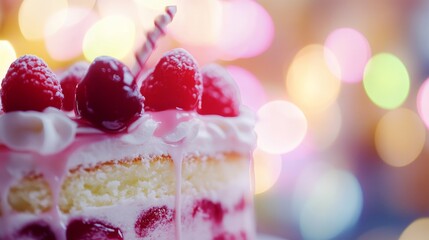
(220, 93)
(92, 230)
(108, 96)
(69, 80)
(175, 83)
(46, 132)
(30, 85)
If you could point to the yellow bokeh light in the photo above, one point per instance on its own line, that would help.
(310, 83)
(400, 137)
(417, 230)
(267, 169)
(34, 14)
(112, 36)
(8, 55)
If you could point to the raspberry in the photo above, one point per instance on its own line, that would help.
(241, 205)
(220, 93)
(209, 210)
(150, 219)
(69, 80)
(225, 236)
(79, 229)
(36, 231)
(229, 236)
(30, 85)
(175, 83)
(108, 95)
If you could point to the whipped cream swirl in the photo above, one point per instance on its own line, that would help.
(47, 132)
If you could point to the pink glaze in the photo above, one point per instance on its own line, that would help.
(169, 120)
(171, 132)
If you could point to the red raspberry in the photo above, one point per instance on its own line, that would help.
(150, 219)
(225, 236)
(108, 95)
(209, 210)
(37, 231)
(30, 85)
(69, 80)
(220, 93)
(175, 83)
(241, 205)
(79, 229)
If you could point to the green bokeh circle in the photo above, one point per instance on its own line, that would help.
(386, 81)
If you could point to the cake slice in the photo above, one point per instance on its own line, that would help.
(165, 157)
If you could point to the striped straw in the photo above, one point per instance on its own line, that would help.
(152, 36)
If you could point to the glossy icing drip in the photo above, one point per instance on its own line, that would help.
(169, 122)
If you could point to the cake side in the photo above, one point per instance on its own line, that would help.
(214, 190)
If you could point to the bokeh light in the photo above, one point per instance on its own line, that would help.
(157, 5)
(423, 102)
(85, 4)
(342, 107)
(251, 90)
(77, 21)
(112, 36)
(281, 127)
(204, 15)
(417, 230)
(327, 202)
(351, 50)
(127, 8)
(267, 169)
(310, 83)
(8, 55)
(400, 137)
(247, 34)
(221, 28)
(386, 81)
(34, 14)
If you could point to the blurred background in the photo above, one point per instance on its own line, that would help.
(339, 88)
